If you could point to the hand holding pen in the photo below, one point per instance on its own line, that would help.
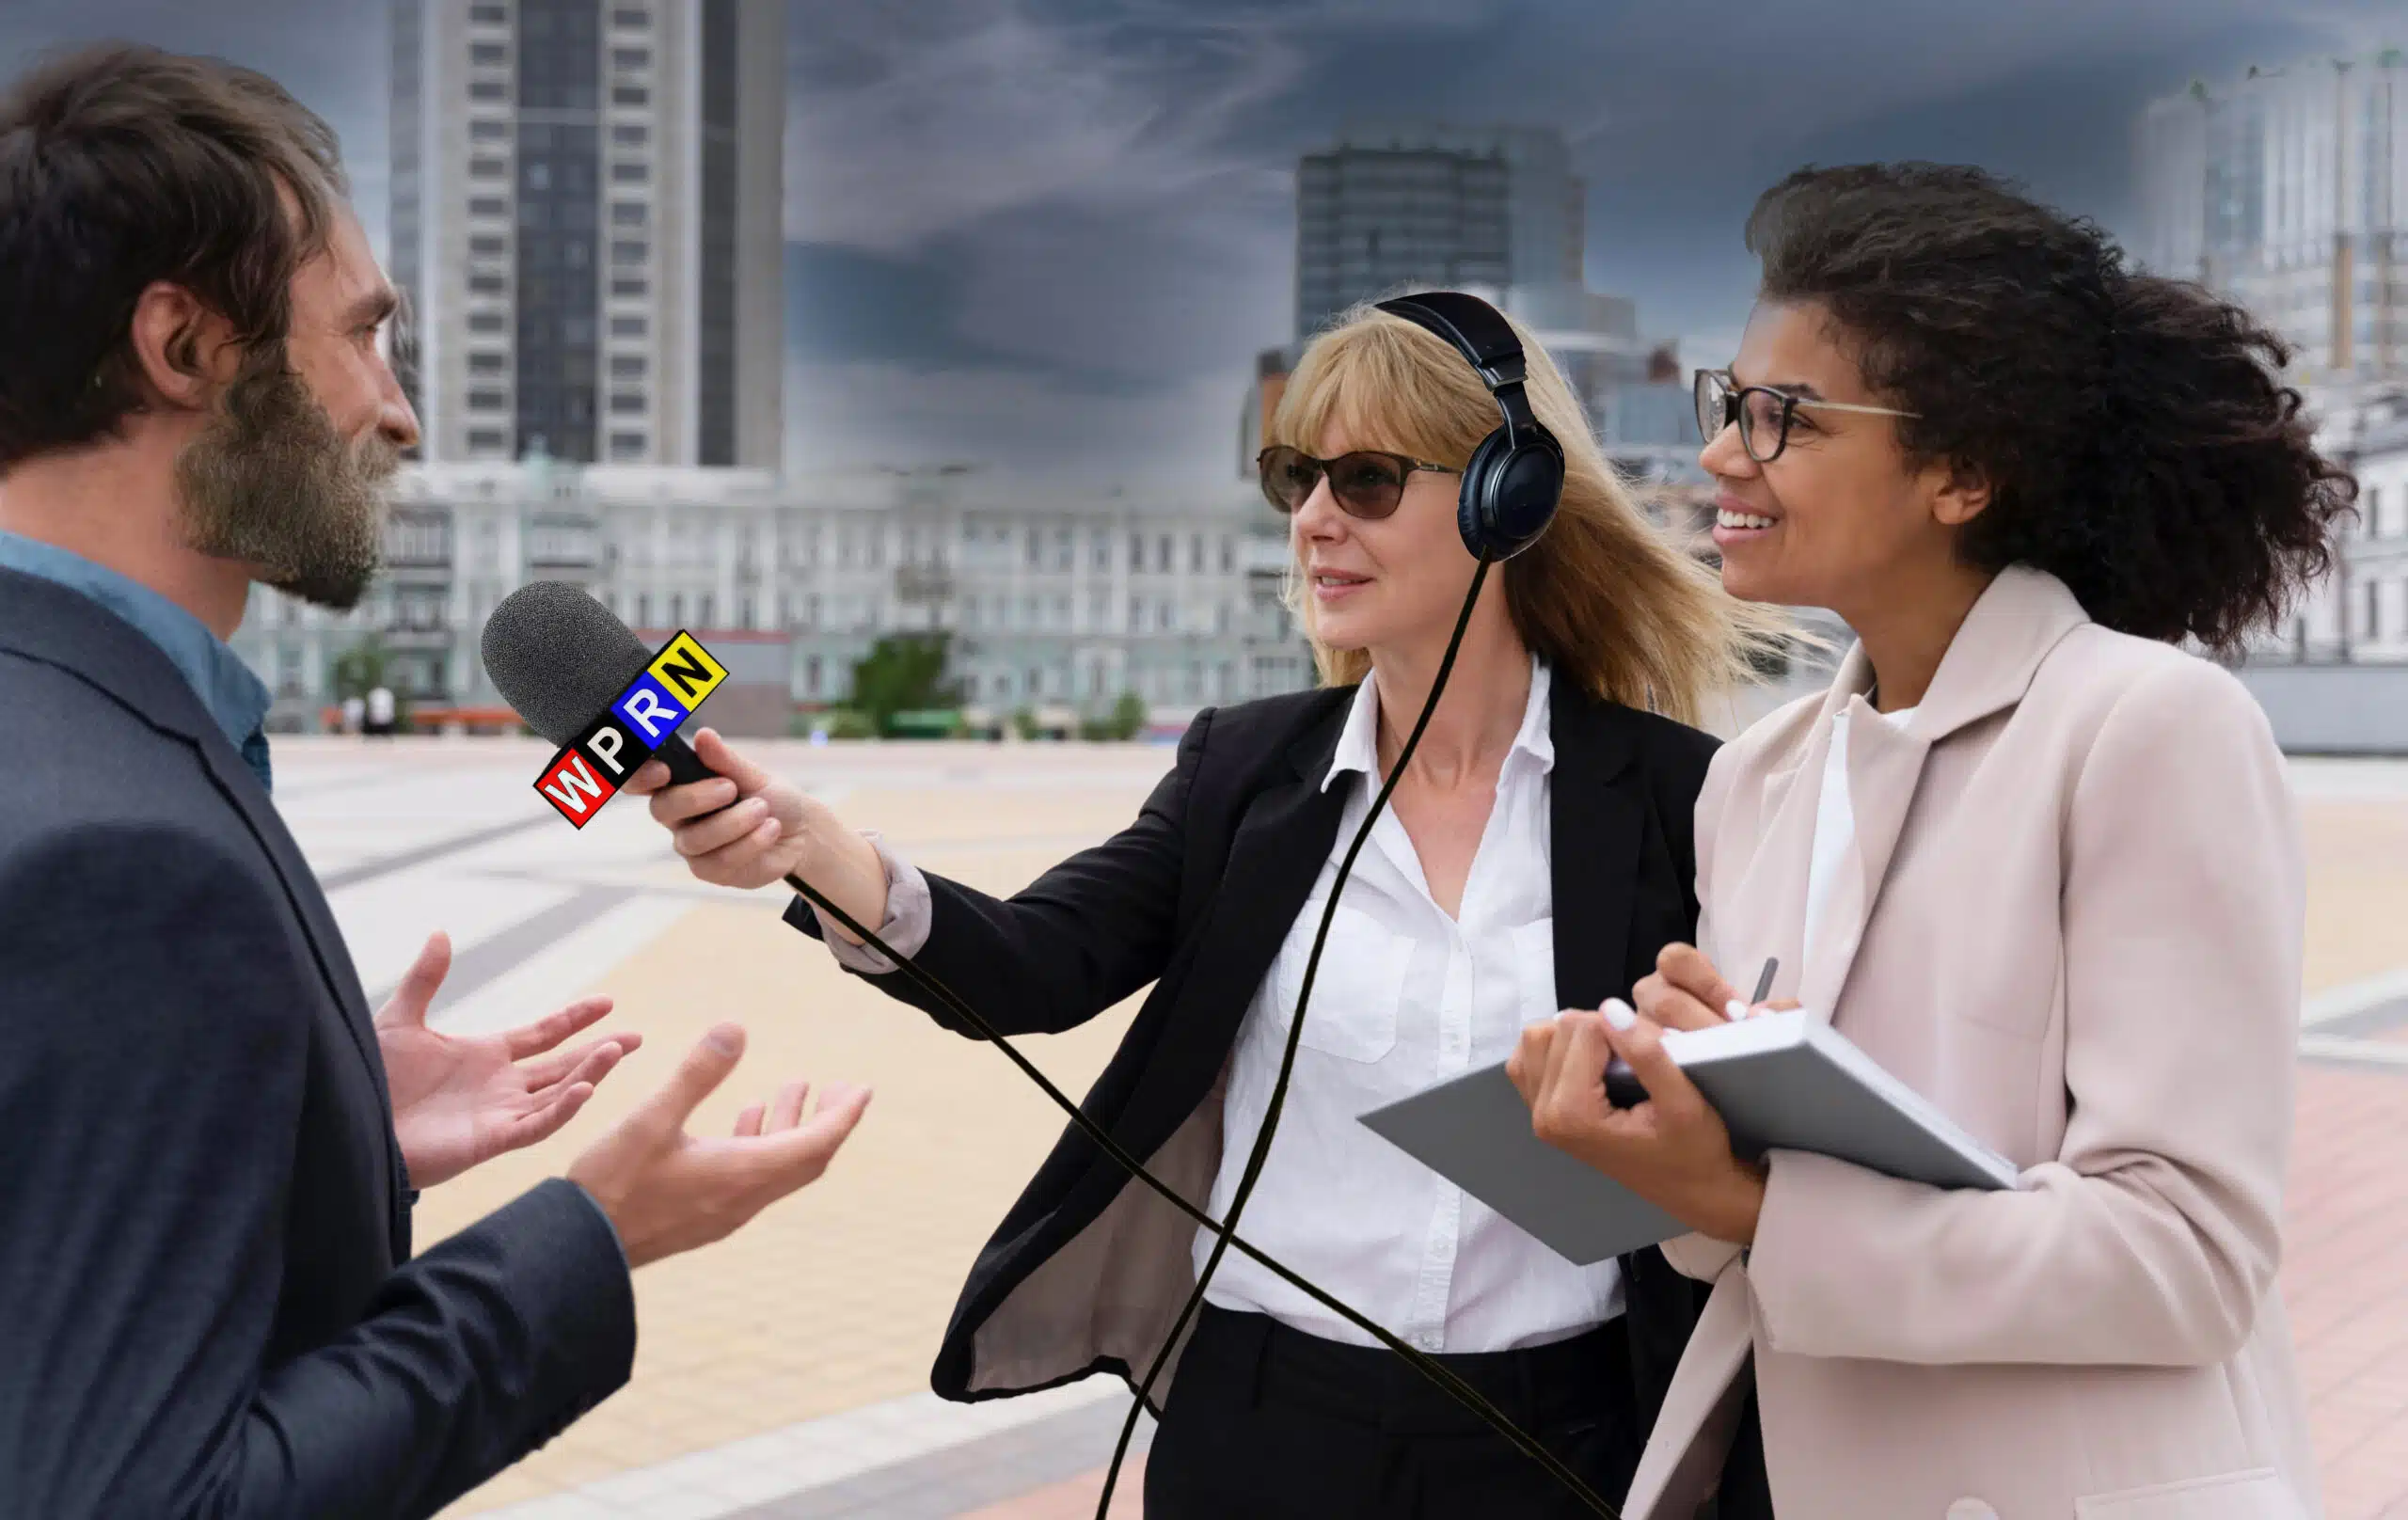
(1683, 994)
(1686, 991)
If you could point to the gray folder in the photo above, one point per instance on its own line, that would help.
(1781, 1081)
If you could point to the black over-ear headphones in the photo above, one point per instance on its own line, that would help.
(1515, 476)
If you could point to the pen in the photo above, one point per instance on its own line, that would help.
(1764, 983)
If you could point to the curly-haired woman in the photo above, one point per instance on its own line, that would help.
(2028, 853)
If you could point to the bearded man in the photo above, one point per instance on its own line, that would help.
(208, 1148)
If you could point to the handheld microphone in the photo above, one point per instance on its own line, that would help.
(558, 657)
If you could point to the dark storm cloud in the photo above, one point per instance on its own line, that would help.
(1109, 187)
(1048, 230)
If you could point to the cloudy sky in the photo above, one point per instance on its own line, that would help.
(1050, 235)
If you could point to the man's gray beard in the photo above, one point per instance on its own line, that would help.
(271, 482)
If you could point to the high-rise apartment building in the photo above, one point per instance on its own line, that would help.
(2288, 191)
(1436, 206)
(587, 223)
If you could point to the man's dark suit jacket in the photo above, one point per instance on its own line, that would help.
(204, 1219)
(1087, 1272)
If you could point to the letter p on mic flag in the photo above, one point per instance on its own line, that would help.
(583, 775)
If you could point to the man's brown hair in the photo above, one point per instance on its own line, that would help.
(121, 166)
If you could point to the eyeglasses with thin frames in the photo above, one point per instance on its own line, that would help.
(1758, 410)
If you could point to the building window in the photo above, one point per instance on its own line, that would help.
(1228, 555)
(484, 321)
(629, 213)
(488, 246)
(629, 288)
(483, 438)
(1102, 547)
(488, 169)
(633, 19)
(626, 366)
(1136, 551)
(488, 285)
(489, 89)
(705, 618)
(628, 251)
(628, 327)
(631, 133)
(488, 400)
(627, 402)
(811, 669)
(489, 132)
(488, 206)
(630, 58)
(488, 54)
(626, 446)
(487, 364)
(1165, 552)
(491, 15)
(631, 174)
(1196, 554)
(630, 95)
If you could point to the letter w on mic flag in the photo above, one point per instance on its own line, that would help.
(589, 773)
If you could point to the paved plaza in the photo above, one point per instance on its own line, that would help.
(782, 1373)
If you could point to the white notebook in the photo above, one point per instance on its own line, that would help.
(1781, 1081)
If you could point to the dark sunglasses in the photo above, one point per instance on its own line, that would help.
(1366, 484)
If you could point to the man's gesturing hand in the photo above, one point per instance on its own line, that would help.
(462, 1100)
(667, 1192)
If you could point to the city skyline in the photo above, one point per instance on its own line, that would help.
(1050, 236)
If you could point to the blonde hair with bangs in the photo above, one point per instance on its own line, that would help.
(1604, 596)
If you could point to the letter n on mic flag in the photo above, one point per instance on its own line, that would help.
(589, 773)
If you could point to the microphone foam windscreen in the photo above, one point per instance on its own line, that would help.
(559, 657)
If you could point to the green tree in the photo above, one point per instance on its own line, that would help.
(903, 672)
(1128, 716)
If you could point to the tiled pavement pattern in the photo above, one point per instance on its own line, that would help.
(782, 1373)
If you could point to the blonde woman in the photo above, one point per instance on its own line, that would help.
(1536, 855)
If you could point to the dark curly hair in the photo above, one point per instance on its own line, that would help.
(2137, 440)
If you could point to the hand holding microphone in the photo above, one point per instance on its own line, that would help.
(745, 828)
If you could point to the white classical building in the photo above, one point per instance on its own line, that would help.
(1052, 601)
(2360, 611)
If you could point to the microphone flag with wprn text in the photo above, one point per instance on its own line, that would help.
(589, 770)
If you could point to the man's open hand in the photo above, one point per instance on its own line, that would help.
(459, 1100)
